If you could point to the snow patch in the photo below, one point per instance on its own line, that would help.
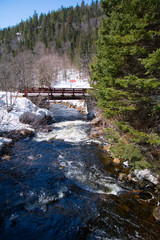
(146, 174)
(11, 120)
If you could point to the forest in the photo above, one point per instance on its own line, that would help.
(61, 39)
(125, 73)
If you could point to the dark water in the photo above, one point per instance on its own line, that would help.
(59, 189)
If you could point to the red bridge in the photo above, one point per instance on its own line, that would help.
(55, 93)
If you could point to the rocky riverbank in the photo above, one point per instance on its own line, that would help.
(139, 177)
(143, 181)
(18, 119)
(100, 125)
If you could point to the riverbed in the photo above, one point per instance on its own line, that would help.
(59, 185)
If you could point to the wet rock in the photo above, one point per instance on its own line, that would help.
(90, 116)
(27, 133)
(47, 129)
(107, 147)
(6, 157)
(122, 177)
(80, 109)
(35, 119)
(131, 178)
(96, 121)
(4, 142)
(156, 213)
(94, 135)
(116, 161)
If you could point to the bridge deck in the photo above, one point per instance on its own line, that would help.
(55, 93)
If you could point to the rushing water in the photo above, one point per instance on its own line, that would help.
(59, 186)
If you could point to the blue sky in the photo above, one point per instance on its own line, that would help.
(13, 11)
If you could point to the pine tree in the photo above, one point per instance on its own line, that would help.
(128, 51)
(125, 74)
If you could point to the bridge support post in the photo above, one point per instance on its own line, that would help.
(26, 92)
(63, 90)
(51, 92)
(73, 93)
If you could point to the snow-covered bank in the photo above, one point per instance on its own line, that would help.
(11, 120)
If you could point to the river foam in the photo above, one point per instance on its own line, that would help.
(77, 132)
(93, 180)
(69, 131)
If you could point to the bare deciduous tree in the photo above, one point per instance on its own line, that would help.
(7, 82)
(22, 69)
(47, 68)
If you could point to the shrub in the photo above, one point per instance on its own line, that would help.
(128, 151)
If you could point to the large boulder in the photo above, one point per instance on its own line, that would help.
(27, 133)
(36, 119)
(91, 116)
(28, 118)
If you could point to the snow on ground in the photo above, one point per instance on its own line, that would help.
(10, 120)
(146, 174)
(72, 78)
(77, 84)
(67, 76)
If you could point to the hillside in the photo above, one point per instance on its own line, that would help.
(70, 31)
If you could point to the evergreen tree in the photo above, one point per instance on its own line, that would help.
(125, 68)
(125, 74)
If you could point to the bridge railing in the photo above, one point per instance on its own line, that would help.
(52, 91)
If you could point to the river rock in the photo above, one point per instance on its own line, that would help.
(4, 142)
(122, 177)
(96, 121)
(36, 119)
(156, 213)
(90, 116)
(116, 161)
(94, 135)
(131, 178)
(107, 147)
(6, 157)
(101, 131)
(27, 133)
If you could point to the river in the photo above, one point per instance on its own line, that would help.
(59, 186)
